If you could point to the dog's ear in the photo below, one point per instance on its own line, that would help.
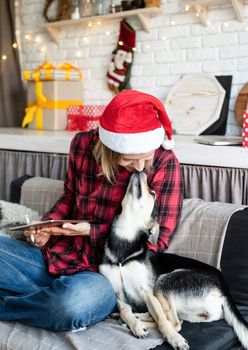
(154, 213)
(154, 232)
(154, 226)
(155, 229)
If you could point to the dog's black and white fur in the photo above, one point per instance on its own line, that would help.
(170, 287)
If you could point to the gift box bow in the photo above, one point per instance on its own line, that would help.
(35, 110)
(47, 69)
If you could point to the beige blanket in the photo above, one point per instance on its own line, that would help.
(201, 232)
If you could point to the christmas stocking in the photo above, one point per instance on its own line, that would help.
(119, 71)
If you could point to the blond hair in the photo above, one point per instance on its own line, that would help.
(108, 159)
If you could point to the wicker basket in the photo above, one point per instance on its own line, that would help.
(152, 3)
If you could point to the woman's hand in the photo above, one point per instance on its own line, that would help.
(37, 236)
(80, 229)
(40, 236)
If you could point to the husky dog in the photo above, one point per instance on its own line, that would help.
(170, 287)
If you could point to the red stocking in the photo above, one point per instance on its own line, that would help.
(119, 71)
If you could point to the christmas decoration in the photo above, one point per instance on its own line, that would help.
(119, 71)
(48, 71)
(135, 122)
(64, 10)
(49, 98)
(245, 129)
(84, 118)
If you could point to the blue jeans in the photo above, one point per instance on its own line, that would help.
(29, 294)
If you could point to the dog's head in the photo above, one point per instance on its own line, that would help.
(139, 203)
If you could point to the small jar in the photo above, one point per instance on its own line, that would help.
(127, 5)
(75, 10)
(86, 8)
(106, 6)
(138, 4)
(101, 7)
(115, 6)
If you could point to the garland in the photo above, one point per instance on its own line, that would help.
(64, 10)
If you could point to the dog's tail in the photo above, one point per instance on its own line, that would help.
(236, 320)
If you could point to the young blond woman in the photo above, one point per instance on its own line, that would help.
(54, 283)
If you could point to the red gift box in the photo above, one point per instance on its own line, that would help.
(245, 129)
(84, 118)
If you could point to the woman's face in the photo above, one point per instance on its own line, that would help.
(137, 162)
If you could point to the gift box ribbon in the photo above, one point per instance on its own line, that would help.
(48, 68)
(36, 109)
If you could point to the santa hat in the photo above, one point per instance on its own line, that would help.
(134, 123)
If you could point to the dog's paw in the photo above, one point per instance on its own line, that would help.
(178, 342)
(139, 330)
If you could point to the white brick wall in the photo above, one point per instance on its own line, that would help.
(163, 55)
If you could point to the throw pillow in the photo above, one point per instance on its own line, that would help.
(12, 214)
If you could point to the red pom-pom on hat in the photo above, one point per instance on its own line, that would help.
(135, 122)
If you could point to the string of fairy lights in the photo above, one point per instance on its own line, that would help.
(38, 39)
(5, 55)
(199, 10)
(41, 46)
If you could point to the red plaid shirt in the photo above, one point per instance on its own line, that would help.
(88, 196)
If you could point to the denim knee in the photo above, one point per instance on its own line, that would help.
(77, 304)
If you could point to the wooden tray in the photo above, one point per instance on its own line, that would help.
(241, 104)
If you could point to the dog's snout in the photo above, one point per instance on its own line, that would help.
(135, 176)
(143, 176)
(138, 177)
(138, 184)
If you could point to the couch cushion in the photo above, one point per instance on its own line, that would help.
(206, 336)
(40, 193)
(234, 261)
(15, 188)
(13, 214)
(201, 231)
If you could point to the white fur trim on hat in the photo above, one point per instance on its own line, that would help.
(136, 143)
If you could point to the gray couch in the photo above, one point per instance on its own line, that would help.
(210, 232)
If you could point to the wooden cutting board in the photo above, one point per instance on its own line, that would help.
(194, 103)
(241, 104)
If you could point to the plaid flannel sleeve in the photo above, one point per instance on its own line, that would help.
(98, 234)
(63, 206)
(169, 186)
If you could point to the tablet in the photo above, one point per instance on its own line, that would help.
(41, 224)
(215, 140)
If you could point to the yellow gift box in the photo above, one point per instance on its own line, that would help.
(49, 99)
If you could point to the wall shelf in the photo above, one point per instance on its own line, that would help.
(201, 8)
(143, 15)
